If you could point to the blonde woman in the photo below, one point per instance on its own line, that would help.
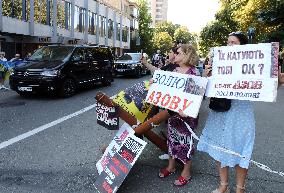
(186, 58)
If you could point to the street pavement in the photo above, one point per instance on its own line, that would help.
(62, 158)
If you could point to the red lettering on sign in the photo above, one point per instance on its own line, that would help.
(123, 168)
(165, 101)
(158, 96)
(114, 170)
(185, 104)
(115, 161)
(174, 103)
(151, 97)
(107, 187)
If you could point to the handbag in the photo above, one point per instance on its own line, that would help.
(220, 104)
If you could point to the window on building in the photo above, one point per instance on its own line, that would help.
(79, 19)
(92, 23)
(158, 10)
(110, 29)
(68, 13)
(125, 34)
(61, 14)
(12, 8)
(118, 31)
(102, 26)
(159, 16)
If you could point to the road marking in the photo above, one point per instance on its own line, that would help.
(44, 127)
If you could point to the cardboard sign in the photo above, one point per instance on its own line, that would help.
(133, 101)
(124, 131)
(107, 116)
(117, 167)
(245, 72)
(177, 92)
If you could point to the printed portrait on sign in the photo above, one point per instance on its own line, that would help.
(193, 88)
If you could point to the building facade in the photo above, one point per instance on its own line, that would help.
(26, 25)
(158, 10)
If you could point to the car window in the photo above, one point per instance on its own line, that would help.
(52, 53)
(100, 53)
(130, 56)
(78, 54)
(88, 53)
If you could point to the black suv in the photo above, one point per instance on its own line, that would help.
(62, 69)
(130, 64)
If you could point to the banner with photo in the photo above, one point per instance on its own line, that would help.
(132, 100)
(117, 166)
(107, 116)
(245, 72)
(177, 92)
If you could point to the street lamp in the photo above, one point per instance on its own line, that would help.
(251, 32)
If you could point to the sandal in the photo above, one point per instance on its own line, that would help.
(181, 181)
(222, 184)
(164, 173)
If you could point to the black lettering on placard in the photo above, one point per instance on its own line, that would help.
(107, 116)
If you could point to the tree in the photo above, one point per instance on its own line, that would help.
(216, 32)
(163, 41)
(145, 30)
(166, 27)
(183, 35)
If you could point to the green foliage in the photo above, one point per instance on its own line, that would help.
(166, 27)
(145, 31)
(162, 41)
(183, 35)
(215, 33)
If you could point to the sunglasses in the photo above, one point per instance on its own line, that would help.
(235, 33)
(178, 53)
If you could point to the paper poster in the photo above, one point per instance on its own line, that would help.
(119, 162)
(245, 72)
(132, 100)
(107, 116)
(177, 92)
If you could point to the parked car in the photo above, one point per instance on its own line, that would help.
(62, 69)
(130, 64)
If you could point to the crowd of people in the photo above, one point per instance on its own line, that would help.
(6, 66)
(233, 129)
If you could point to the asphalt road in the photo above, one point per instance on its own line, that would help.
(62, 158)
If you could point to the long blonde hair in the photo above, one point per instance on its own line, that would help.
(191, 57)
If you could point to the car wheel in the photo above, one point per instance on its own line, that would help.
(68, 88)
(107, 81)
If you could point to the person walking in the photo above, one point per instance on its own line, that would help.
(234, 130)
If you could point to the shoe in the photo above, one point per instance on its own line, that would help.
(181, 181)
(164, 173)
(222, 184)
(164, 157)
